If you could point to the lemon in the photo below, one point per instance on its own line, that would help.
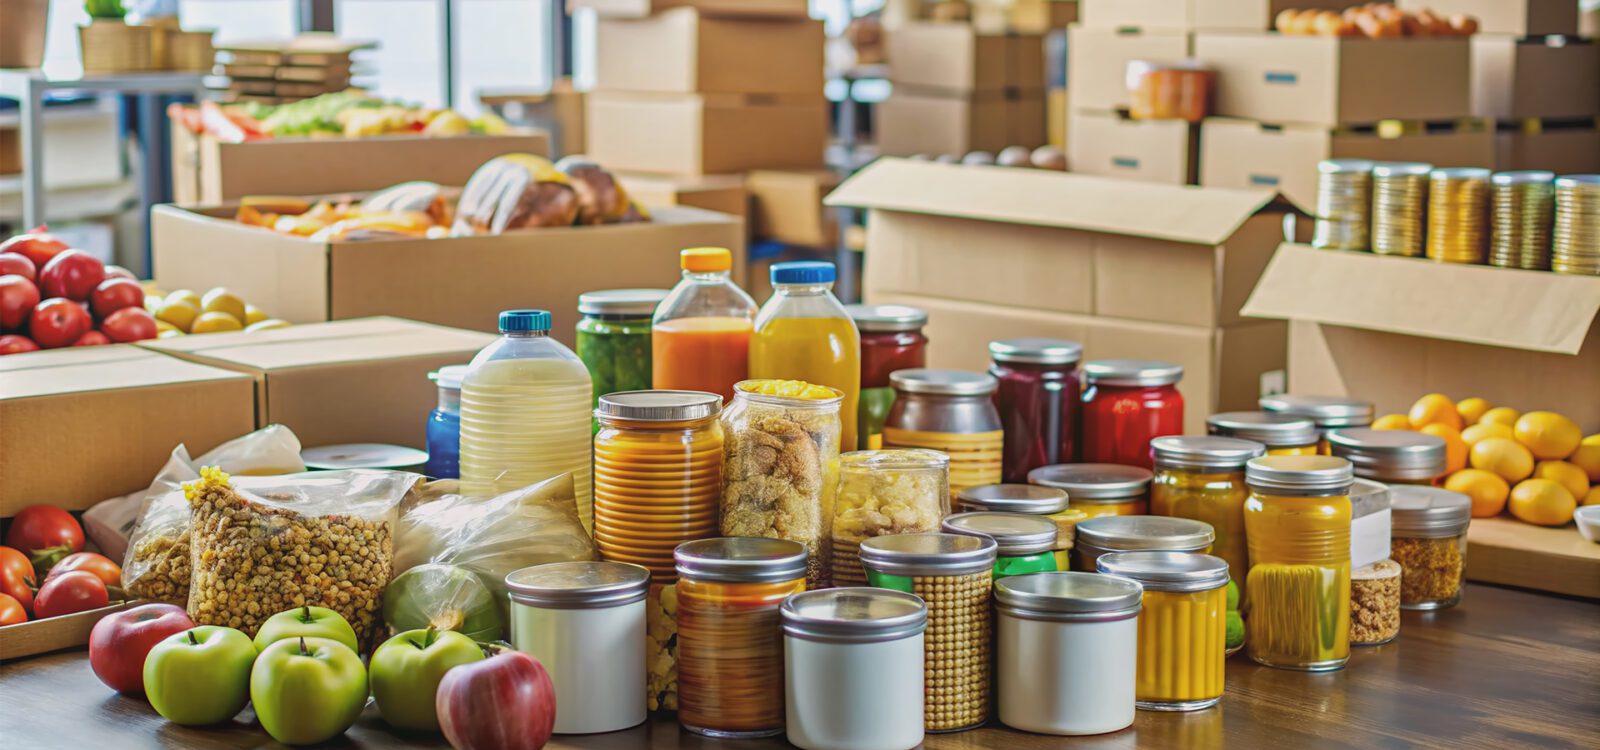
(178, 313)
(1434, 408)
(1542, 502)
(1500, 415)
(223, 301)
(1502, 456)
(1392, 422)
(187, 295)
(1477, 432)
(267, 324)
(1472, 409)
(1548, 434)
(1455, 449)
(163, 326)
(1593, 498)
(1487, 490)
(253, 315)
(1565, 474)
(169, 333)
(214, 322)
(1587, 457)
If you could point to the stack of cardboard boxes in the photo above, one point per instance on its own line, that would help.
(958, 89)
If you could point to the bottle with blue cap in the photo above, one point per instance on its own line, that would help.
(525, 402)
(804, 333)
(444, 425)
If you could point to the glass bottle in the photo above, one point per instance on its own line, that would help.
(804, 333)
(891, 339)
(613, 338)
(1038, 399)
(1126, 403)
(1203, 478)
(444, 425)
(1282, 434)
(700, 335)
(1183, 628)
(1026, 544)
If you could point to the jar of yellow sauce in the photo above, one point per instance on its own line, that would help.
(1106, 534)
(1282, 434)
(950, 411)
(1099, 489)
(1030, 499)
(1182, 627)
(1390, 456)
(1297, 521)
(1329, 412)
(1203, 478)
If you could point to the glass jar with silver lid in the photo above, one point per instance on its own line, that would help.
(1182, 626)
(951, 411)
(1390, 456)
(1283, 434)
(1028, 499)
(1099, 489)
(1024, 543)
(1098, 536)
(1430, 543)
(853, 669)
(1329, 412)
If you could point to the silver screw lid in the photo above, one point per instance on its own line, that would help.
(1327, 411)
(1299, 475)
(929, 554)
(579, 585)
(1401, 169)
(943, 382)
(1089, 483)
(1335, 166)
(1068, 596)
(659, 406)
(853, 615)
(1130, 533)
(1016, 534)
(887, 318)
(1037, 351)
(1428, 512)
(1204, 452)
(741, 559)
(1138, 372)
(629, 302)
(1167, 571)
(1390, 455)
(1271, 429)
(1031, 499)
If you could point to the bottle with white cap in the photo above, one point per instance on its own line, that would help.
(444, 424)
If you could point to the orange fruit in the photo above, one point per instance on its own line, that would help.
(1548, 435)
(1593, 498)
(1542, 502)
(1477, 432)
(1500, 415)
(1503, 456)
(1472, 409)
(1487, 490)
(1434, 408)
(1392, 422)
(1565, 474)
(1587, 457)
(1455, 449)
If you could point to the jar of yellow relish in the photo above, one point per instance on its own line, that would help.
(1182, 627)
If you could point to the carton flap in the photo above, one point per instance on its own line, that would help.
(100, 368)
(337, 342)
(1199, 215)
(1532, 310)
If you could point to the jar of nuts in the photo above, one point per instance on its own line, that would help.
(1430, 543)
(897, 491)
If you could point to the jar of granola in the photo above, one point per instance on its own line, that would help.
(897, 491)
(1430, 543)
(1033, 500)
(1375, 603)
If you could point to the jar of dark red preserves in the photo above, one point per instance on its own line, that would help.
(1038, 402)
(1126, 402)
(891, 339)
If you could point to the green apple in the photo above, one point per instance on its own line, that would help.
(306, 690)
(199, 676)
(406, 671)
(308, 622)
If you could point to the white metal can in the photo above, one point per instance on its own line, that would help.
(585, 622)
(853, 667)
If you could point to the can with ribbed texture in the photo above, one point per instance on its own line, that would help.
(1575, 248)
(1399, 197)
(1344, 199)
(1458, 214)
(1523, 207)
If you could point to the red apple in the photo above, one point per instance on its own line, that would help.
(18, 297)
(58, 322)
(502, 702)
(120, 642)
(18, 264)
(13, 344)
(130, 324)
(92, 338)
(118, 272)
(72, 274)
(38, 246)
(113, 295)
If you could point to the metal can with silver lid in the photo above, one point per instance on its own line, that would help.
(1099, 489)
(1390, 456)
(1182, 626)
(585, 622)
(1430, 543)
(1329, 412)
(853, 667)
(1028, 499)
(1024, 543)
(1098, 536)
(1283, 434)
(950, 411)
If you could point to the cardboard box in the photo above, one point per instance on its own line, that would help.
(927, 121)
(1389, 329)
(719, 8)
(462, 282)
(1246, 154)
(696, 134)
(1023, 16)
(787, 207)
(1572, 148)
(42, 636)
(683, 51)
(1187, 15)
(956, 57)
(1055, 119)
(348, 381)
(1557, 77)
(206, 170)
(1111, 145)
(82, 148)
(81, 425)
(723, 193)
(1518, 17)
(1097, 62)
(1331, 81)
(1508, 552)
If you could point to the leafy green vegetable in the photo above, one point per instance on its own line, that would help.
(319, 114)
(105, 8)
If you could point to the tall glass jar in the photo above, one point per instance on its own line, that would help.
(1106, 534)
(954, 575)
(948, 411)
(1038, 401)
(1026, 544)
(1329, 412)
(613, 338)
(657, 475)
(1126, 403)
(804, 333)
(1032, 500)
(1430, 543)
(1298, 523)
(1099, 489)
(1390, 456)
(444, 425)
(1182, 626)
(891, 339)
(781, 466)
(730, 641)
(700, 335)
(853, 663)
(1203, 478)
(1282, 434)
(884, 492)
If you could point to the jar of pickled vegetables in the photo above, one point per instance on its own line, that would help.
(1298, 523)
(1098, 536)
(1025, 544)
(1099, 489)
(730, 641)
(1038, 402)
(1430, 543)
(657, 475)
(948, 411)
(884, 492)
(891, 339)
(613, 338)
(1203, 478)
(853, 659)
(1182, 627)
(1126, 403)
(1390, 456)
(780, 466)
(1329, 412)
(1282, 434)
(954, 574)
(1032, 500)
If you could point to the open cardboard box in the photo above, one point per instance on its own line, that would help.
(1112, 145)
(1097, 62)
(1521, 18)
(730, 8)
(1554, 78)
(685, 51)
(1186, 15)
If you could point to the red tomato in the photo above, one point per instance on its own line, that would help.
(14, 344)
(40, 529)
(38, 246)
(16, 576)
(92, 338)
(58, 322)
(78, 591)
(129, 324)
(113, 295)
(90, 562)
(72, 274)
(18, 297)
(118, 272)
(18, 264)
(11, 611)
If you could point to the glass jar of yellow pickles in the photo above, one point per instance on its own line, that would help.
(1098, 536)
(1182, 627)
(949, 411)
(1329, 412)
(1026, 543)
(885, 492)
(1390, 456)
(1203, 478)
(1099, 489)
(1298, 523)
(1282, 434)
(1032, 500)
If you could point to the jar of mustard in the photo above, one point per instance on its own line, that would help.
(1202, 478)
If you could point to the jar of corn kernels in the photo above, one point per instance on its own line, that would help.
(953, 574)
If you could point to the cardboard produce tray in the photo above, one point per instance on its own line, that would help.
(53, 633)
(1512, 553)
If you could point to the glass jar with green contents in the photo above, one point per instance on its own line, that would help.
(1203, 478)
(1025, 544)
(614, 338)
(1032, 500)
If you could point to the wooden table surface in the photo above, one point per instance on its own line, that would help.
(1506, 669)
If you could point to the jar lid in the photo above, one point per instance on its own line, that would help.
(1132, 372)
(1204, 452)
(449, 377)
(1327, 411)
(1037, 351)
(1401, 169)
(1428, 511)
(887, 318)
(1069, 596)
(633, 302)
(1167, 571)
(1524, 177)
(1389, 455)
(659, 406)
(943, 382)
(1271, 429)
(1094, 482)
(1133, 533)
(1378, 571)
(1335, 166)
(705, 259)
(741, 559)
(895, 458)
(1368, 497)
(929, 554)
(1029, 499)
(803, 272)
(1015, 534)
(516, 321)
(1577, 181)
(1460, 173)
(853, 615)
(1325, 475)
(579, 585)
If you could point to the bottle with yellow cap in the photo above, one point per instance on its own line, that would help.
(804, 333)
(701, 331)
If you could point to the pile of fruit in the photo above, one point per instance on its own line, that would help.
(53, 296)
(1537, 464)
(351, 113)
(217, 311)
(44, 571)
(1374, 21)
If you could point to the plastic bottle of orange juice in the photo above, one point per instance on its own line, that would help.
(804, 333)
(700, 337)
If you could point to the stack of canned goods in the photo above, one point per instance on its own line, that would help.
(1576, 246)
(1523, 205)
(1343, 204)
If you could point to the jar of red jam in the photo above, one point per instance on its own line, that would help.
(1038, 402)
(891, 339)
(1125, 404)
